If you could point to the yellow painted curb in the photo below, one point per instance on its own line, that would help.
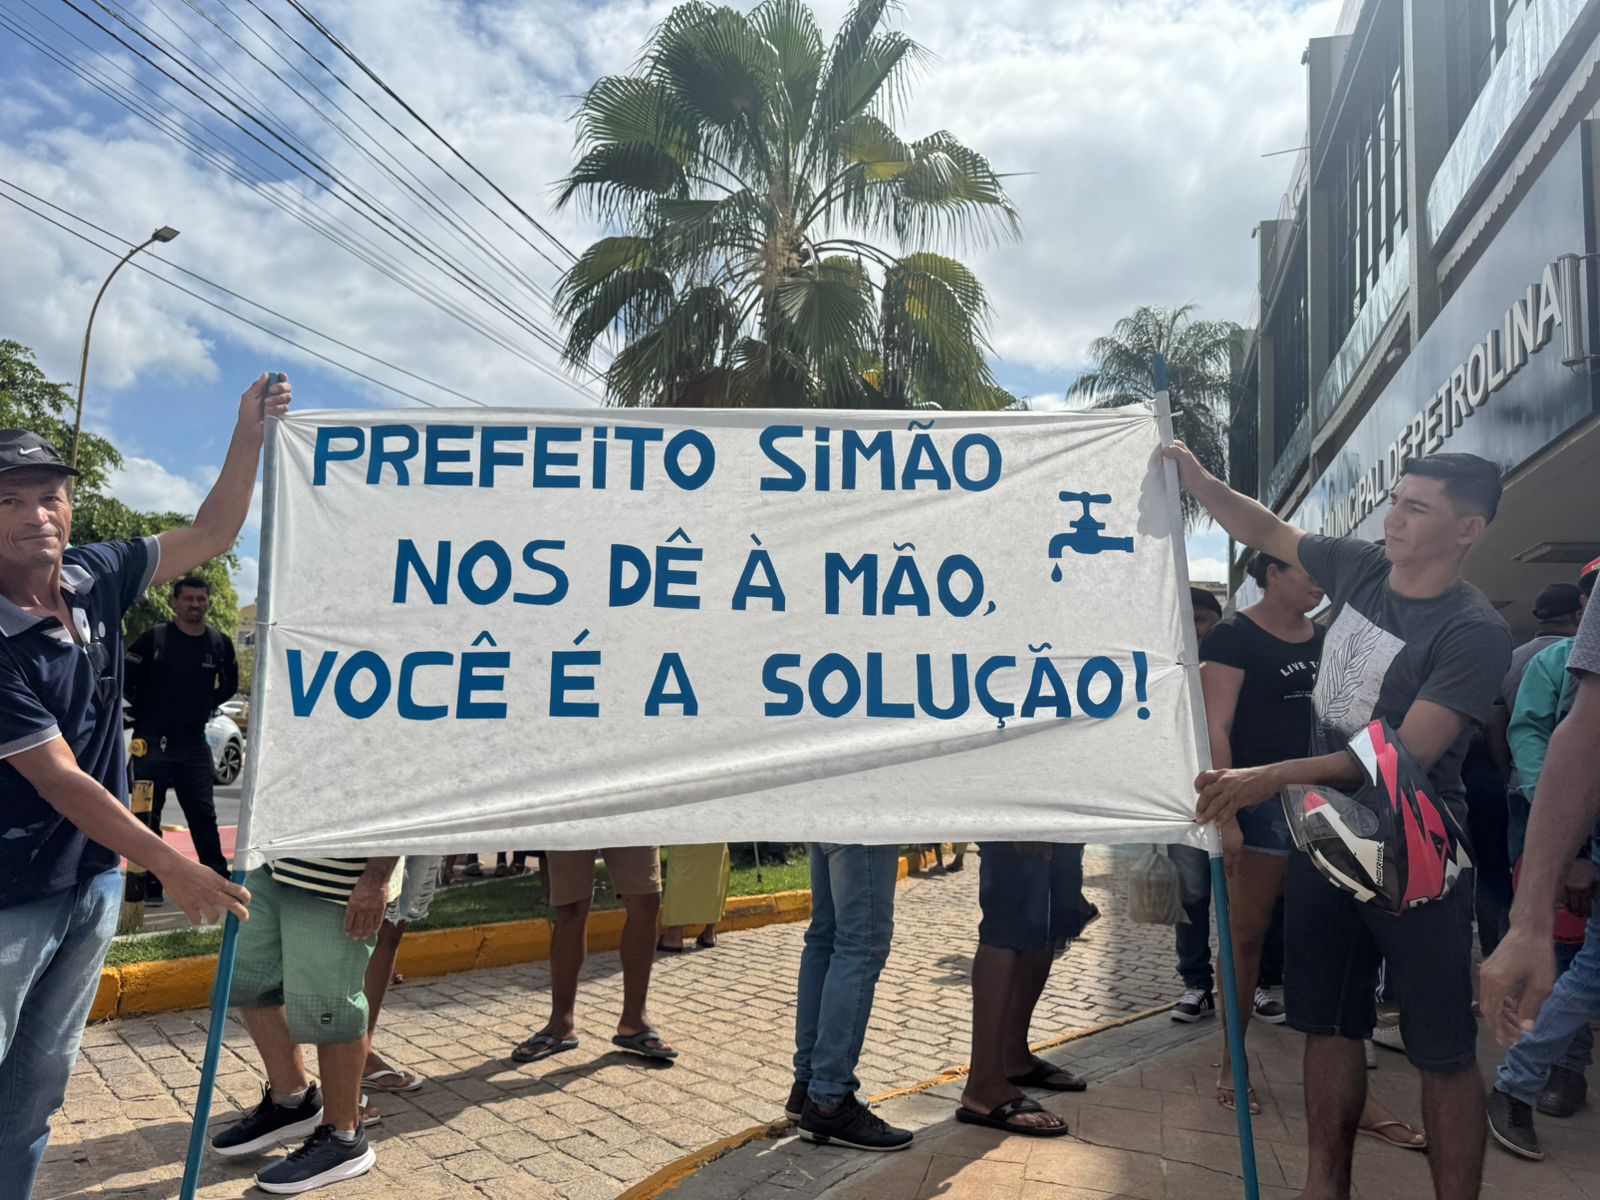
(674, 1173)
(186, 982)
(691, 1164)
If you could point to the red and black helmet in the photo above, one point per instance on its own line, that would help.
(1393, 843)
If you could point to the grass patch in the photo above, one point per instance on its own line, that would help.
(178, 943)
(794, 877)
(518, 899)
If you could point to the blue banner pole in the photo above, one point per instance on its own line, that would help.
(222, 988)
(1235, 1031)
(1219, 877)
(208, 1067)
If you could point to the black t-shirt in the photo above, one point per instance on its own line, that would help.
(173, 694)
(1272, 721)
(1386, 651)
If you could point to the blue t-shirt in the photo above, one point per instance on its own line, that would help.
(51, 687)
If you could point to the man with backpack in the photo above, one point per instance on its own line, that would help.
(176, 675)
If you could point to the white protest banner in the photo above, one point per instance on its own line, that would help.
(567, 629)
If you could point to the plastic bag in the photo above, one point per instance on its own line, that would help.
(1155, 891)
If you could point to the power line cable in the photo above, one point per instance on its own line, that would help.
(416, 116)
(373, 258)
(236, 316)
(195, 275)
(442, 212)
(309, 53)
(420, 246)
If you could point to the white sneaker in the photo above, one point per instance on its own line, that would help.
(1388, 1036)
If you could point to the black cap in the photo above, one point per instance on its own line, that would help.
(24, 448)
(1557, 601)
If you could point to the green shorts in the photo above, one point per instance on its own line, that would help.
(294, 952)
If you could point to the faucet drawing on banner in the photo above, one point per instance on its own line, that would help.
(1087, 534)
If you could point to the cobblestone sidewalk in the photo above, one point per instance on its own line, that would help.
(1148, 1128)
(589, 1123)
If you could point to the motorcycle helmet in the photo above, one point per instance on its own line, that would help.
(1392, 843)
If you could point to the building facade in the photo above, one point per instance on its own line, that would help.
(1429, 281)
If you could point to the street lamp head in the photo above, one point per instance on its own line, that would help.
(165, 234)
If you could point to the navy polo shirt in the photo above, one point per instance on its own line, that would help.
(51, 687)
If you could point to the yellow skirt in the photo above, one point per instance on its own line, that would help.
(696, 885)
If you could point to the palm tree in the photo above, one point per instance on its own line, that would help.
(1200, 378)
(754, 177)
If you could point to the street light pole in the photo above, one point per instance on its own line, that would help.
(165, 234)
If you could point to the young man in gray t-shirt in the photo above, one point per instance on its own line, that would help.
(1413, 644)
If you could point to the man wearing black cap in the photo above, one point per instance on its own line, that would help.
(64, 819)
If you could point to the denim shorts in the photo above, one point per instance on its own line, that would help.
(1266, 827)
(1031, 904)
(420, 881)
(1333, 944)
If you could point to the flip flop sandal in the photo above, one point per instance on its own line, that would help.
(1225, 1097)
(369, 1114)
(1377, 1131)
(638, 1043)
(1041, 1075)
(379, 1081)
(663, 948)
(705, 945)
(473, 871)
(542, 1046)
(1000, 1118)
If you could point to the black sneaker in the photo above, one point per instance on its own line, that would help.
(1511, 1123)
(852, 1124)
(1268, 1009)
(1564, 1092)
(1196, 1005)
(796, 1106)
(270, 1125)
(324, 1159)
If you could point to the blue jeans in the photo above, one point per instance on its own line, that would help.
(1561, 1036)
(51, 952)
(1194, 939)
(852, 924)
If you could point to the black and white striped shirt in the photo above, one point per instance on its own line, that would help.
(331, 878)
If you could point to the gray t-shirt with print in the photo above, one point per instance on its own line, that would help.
(1585, 656)
(1385, 651)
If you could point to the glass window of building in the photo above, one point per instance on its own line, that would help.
(1367, 181)
(1480, 30)
(1289, 345)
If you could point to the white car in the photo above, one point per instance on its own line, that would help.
(225, 742)
(227, 748)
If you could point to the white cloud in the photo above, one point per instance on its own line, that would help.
(146, 485)
(1208, 570)
(245, 578)
(1135, 130)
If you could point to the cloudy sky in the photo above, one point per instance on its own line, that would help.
(1135, 130)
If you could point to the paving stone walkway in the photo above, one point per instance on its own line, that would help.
(588, 1124)
(1148, 1128)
